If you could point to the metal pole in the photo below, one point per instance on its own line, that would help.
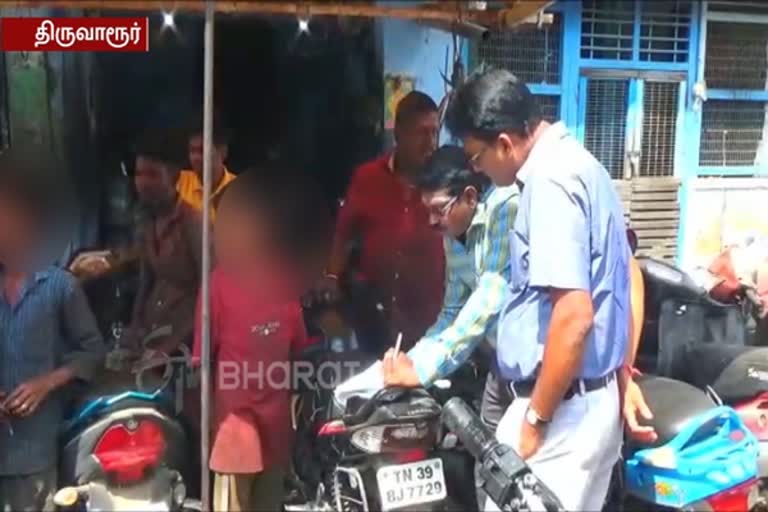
(205, 369)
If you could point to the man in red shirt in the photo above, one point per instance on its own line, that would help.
(400, 256)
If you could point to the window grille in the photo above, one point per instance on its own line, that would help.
(532, 54)
(731, 132)
(660, 104)
(665, 31)
(607, 29)
(737, 56)
(549, 106)
(605, 125)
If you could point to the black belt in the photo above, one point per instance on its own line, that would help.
(524, 388)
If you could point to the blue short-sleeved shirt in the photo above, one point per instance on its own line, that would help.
(569, 234)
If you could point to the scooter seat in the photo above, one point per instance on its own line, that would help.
(734, 373)
(672, 403)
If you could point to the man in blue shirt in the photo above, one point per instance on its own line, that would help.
(564, 330)
(48, 338)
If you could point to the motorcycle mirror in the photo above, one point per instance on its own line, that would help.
(66, 497)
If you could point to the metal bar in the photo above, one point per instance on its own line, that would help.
(737, 17)
(729, 171)
(737, 94)
(616, 73)
(511, 12)
(569, 78)
(205, 365)
(545, 89)
(636, 30)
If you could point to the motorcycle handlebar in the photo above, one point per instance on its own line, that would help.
(507, 479)
(468, 427)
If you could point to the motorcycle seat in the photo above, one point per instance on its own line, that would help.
(735, 373)
(672, 403)
(392, 405)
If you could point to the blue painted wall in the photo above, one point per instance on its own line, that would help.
(413, 49)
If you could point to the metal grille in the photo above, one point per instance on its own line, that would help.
(606, 117)
(737, 57)
(665, 31)
(659, 127)
(607, 29)
(531, 54)
(549, 107)
(731, 132)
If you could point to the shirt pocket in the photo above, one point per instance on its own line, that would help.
(518, 258)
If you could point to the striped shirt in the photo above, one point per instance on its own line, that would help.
(477, 280)
(51, 325)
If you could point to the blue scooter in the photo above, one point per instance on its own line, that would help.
(126, 447)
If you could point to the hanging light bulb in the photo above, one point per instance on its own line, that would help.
(303, 24)
(169, 20)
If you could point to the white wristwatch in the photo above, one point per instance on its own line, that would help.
(533, 418)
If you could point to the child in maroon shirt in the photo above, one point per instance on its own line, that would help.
(256, 325)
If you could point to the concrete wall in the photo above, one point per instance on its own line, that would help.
(722, 212)
(419, 52)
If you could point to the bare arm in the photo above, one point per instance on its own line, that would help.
(637, 304)
(572, 316)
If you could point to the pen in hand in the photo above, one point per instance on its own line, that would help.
(397, 345)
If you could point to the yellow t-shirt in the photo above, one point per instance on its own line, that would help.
(190, 189)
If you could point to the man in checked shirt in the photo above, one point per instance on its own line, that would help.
(475, 219)
(48, 339)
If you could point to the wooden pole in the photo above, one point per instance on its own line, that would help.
(513, 12)
(205, 364)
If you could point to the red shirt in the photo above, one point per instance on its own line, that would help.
(401, 255)
(256, 324)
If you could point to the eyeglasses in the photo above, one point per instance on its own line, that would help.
(474, 160)
(446, 209)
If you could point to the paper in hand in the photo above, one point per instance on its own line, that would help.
(364, 384)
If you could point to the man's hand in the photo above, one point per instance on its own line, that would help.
(530, 440)
(28, 396)
(327, 291)
(633, 407)
(398, 370)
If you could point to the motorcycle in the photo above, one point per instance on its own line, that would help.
(387, 451)
(126, 448)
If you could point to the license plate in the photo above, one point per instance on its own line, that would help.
(411, 484)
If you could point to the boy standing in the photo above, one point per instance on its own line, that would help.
(256, 323)
(48, 338)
